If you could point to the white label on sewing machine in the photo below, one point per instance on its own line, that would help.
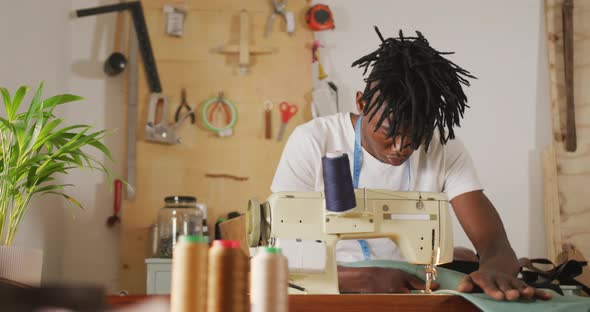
(304, 256)
(409, 216)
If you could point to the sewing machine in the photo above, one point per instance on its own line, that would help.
(419, 223)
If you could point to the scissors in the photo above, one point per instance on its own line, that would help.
(287, 112)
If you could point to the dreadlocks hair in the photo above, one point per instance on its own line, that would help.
(418, 88)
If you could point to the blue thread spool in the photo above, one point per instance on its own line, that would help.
(338, 187)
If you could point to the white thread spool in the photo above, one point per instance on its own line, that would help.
(269, 281)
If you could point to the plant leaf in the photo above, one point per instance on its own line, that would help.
(57, 134)
(60, 99)
(52, 187)
(17, 100)
(8, 126)
(7, 100)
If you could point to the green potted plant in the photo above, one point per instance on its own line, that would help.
(35, 148)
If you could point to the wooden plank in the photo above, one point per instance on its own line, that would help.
(551, 203)
(190, 62)
(568, 232)
(347, 303)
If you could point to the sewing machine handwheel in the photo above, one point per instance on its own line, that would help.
(253, 222)
(265, 227)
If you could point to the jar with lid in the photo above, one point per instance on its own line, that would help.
(179, 216)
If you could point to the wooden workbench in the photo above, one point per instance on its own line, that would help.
(350, 303)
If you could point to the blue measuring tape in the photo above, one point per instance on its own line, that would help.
(357, 163)
(365, 249)
(357, 154)
(358, 158)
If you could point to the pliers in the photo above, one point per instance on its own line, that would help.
(183, 104)
(280, 8)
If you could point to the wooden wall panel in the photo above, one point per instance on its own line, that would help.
(569, 230)
(190, 62)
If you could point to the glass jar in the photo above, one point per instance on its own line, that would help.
(180, 216)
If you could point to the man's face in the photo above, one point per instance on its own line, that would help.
(379, 143)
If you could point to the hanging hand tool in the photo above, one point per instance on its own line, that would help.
(133, 72)
(143, 37)
(280, 8)
(315, 55)
(163, 133)
(174, 20)
(141, 45)
(568, 55)
(244, 49)
(334, 89)
(116, 62)
(319, 17)
(160, 130)
(210, 109)
(184, 104)
(157, 128)
(287, 112)
(325, 99)
(267, 119)
(114, 219)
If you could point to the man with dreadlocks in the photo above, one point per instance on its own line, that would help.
(404, 140)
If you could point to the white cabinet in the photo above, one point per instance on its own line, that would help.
(159, 276)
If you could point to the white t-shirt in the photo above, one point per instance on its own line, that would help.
(444, 168)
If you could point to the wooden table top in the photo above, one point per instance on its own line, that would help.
(350, 303)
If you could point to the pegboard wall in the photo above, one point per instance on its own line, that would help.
(191, 62)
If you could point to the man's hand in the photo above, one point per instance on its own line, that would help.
(378, 280)
(498, 265)
(500, 286)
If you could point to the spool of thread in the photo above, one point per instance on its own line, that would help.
(189, 274)
(338, 187)
(269, 281)
(227, 286)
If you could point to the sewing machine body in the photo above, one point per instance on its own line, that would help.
(419, 223)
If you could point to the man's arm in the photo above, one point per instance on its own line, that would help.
(378, 280)
(498, 265)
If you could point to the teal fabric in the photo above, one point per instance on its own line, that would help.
(449, 280)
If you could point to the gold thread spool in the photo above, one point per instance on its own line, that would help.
(269, 281)
(227, 287)
(189, 274)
